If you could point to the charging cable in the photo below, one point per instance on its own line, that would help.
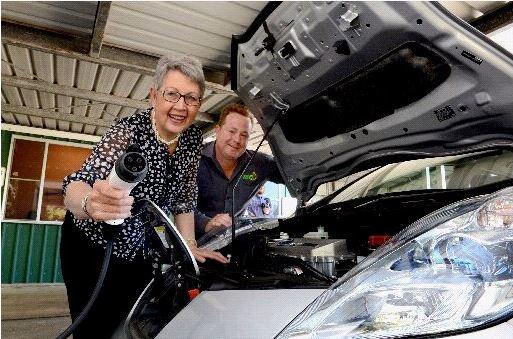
(130, 169)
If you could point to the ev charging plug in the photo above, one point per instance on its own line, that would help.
(128, 171)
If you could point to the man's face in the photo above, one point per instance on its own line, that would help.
(232, 136)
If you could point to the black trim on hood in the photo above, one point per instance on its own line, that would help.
(472, 29)
(496, 19)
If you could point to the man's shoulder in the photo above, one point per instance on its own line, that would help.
(266, 165)
(208, 149)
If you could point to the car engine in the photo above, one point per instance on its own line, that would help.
(322, 255)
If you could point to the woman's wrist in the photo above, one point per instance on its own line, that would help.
(191, 242)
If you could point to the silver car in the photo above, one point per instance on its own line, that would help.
(409, 111)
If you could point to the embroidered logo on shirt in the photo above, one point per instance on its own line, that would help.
(250, 177)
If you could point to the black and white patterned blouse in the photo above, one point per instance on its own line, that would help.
(170, 181)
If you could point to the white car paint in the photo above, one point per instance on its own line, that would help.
(239, 314)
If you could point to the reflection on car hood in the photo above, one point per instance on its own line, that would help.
(363, 84)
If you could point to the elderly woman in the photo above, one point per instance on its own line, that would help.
(171, 145)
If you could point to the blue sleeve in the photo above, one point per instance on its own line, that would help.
(200, 221)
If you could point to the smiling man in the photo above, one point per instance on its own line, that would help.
(221, 164)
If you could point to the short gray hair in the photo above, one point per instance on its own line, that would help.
(188, 65)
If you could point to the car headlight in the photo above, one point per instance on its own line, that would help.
(449, 271)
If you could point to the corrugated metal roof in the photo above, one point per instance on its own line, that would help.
(85, 116)
(468, 10)
(202, 29)
(30, 64)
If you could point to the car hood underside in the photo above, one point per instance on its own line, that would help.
(358, 85)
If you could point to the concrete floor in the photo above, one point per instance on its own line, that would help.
(34, 328)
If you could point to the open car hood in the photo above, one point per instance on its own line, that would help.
(363, 84)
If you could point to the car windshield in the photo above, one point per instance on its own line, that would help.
(441, 173)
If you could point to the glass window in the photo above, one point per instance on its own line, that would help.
(23, 200)
(441, 173)
(24, 181)
(61, 161)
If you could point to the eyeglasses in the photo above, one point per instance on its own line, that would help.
(173, 96)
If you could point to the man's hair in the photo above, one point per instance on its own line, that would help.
(234, 108)
(188, 65)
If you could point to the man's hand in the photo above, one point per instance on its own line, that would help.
(202, 255)
(219, 221)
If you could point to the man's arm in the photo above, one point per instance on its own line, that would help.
(221, 220)
(200, 222)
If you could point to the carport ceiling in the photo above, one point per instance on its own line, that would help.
(79, 66)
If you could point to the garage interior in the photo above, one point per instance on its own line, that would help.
(72, 69)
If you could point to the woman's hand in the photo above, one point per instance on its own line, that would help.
(202, 255)
(108, 203)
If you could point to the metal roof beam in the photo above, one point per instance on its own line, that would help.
(102, 13)
(37, 112)
(78, 48)
(51, 133)
(44, 86)
(494, 19)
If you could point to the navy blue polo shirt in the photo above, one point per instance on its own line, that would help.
(215, 189)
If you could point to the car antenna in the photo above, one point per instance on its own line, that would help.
(283, 108)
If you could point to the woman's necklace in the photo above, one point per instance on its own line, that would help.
(157, 135)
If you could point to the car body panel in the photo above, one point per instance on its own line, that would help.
(501, 331)
(470, 109)
(239, 314)
(263, 314)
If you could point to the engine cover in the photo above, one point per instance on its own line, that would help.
(321, 254)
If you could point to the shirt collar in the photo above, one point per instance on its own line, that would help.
(209, 151)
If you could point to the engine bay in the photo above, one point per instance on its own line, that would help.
(263, 261)
(309, 251)
(317, 247)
